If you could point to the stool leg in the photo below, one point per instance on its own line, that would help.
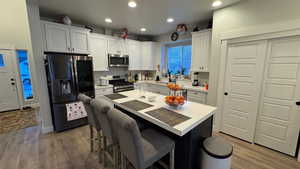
(91, 138)
(172, 158)
(123, 161)
(104, 151)
(99, 139)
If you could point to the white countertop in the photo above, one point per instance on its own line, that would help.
(196, 111)
(185, 85)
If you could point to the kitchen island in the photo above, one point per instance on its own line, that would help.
(188, 125)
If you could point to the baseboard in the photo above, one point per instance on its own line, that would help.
(46, 130)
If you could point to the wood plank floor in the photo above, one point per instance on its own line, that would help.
(28, 149)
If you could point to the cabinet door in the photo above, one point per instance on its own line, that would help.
(115, 46)
(201, 43)
(57, 38)
(243, 78)
(146, 54)
(98, 48)
(124, 47)
(80, 41)
(134, 55)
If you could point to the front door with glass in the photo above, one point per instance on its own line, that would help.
(8, 90)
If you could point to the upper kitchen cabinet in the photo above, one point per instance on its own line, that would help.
(115, 46)
(79, 40)
(135, 58)
(98, 48)
(66, 39)
(150, 55)
(57, 37)
(201, 45)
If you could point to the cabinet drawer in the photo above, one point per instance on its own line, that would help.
(197, 96)
(197, 99)
(104, 91)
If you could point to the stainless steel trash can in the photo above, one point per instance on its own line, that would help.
(216, 153)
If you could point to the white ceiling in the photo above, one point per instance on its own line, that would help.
(151, 14)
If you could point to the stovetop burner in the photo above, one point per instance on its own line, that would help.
(121, 85)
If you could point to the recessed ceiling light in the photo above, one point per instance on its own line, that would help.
(169, 20)
(217, 3)
(108, 20)
(143, 29)
(132, 4)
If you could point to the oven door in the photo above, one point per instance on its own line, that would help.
(118, 61)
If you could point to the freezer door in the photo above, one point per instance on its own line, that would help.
(60, 120)
(61, 78)
(84, 75)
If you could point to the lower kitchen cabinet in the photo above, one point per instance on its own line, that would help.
(100, 91)
(196, 96)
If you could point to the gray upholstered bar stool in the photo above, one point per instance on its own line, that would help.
(141, 149)
(93, 122)
(101, 108)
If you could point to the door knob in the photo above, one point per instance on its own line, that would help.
(225, 93)
(298, 103)
(12, 79)
(13, 84)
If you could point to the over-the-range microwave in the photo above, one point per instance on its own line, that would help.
(115, 60)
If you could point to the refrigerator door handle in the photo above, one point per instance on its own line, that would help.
(75, 75)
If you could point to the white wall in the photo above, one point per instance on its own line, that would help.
(247, 13)
(14, 27)
(242, 15)
(41, 87)
(14, 30)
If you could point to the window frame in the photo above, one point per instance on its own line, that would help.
(33, 100)
(170, 45)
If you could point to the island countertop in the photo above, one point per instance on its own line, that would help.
(196, 112)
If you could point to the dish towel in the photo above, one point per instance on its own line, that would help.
(75, 111)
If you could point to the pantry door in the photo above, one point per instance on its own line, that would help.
(279, 115)
(243, 79)
(8, 87)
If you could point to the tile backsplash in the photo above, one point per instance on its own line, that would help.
(116, 71)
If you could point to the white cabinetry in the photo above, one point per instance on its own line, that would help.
(135, 59)
(98, 47)
(115, 46)
(100, 91)
(196, 96)
(57, 37)
(201, 45)
(147, 60)
(66, 39)
(79, 40)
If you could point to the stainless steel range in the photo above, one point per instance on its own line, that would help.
(121, 85)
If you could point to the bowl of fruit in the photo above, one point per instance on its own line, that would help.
(175, 101)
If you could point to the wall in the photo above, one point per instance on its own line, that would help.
(14, 24)
(247, 13)
(41, 87)
(242, 15)
(15, 31)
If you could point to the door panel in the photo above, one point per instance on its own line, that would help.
(278, 121)
(242, 86)
(9, 95)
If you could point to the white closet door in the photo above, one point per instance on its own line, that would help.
(279, 116)
(243, 79)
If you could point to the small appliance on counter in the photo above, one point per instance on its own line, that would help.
(195, 79)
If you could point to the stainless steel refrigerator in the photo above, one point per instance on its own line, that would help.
(68, 75)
